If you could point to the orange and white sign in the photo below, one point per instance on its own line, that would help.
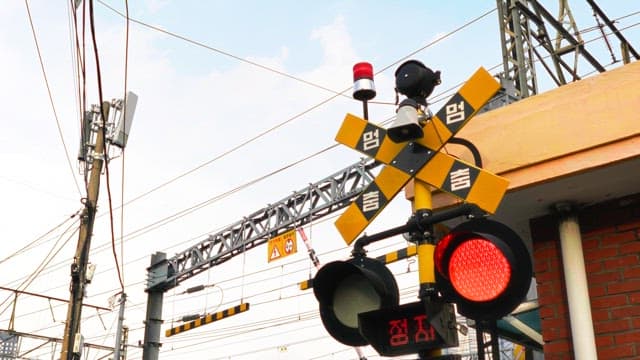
(282, 245)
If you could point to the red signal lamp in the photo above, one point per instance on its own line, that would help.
(484, 267)
(363, 86)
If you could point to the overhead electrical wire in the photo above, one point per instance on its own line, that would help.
(218, 197)
(302, 260)
(288, 120)
(241, 354)
(36, 242)
(263, 133)
(454, 87)
(633, 25)
(104, 131)
(53, 107)
(184, 212)
(244, 330)
(124, 111)
(222, 52)
(76, 59)
(48, 258)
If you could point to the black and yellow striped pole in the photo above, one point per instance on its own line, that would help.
(207, 319)
(425, 243)
(424, 239)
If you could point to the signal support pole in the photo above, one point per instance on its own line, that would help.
(81, 258)
(423, 238)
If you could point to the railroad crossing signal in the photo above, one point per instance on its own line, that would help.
(421, 159)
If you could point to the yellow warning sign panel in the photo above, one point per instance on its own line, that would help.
(282, 245)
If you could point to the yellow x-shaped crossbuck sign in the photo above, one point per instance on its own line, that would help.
(421, 159)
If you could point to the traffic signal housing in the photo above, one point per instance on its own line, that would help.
(345, 289)
(484, 267)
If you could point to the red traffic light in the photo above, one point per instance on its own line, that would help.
(345, 289)
(484, 267)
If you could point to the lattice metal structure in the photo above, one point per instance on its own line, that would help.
(302, 207)
(525, 40)
(517, 52)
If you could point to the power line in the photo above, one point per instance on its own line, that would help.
(140, 231)
(122, 170)
(35, 242)
(161, 222)
(288, 120)
(47, 259)
(53, 107)
(103, 128)
(246, 275)
(436, 96)
(222, 52)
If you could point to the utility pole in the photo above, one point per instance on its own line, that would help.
(119, 341)
(81, 258)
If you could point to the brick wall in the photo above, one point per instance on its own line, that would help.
(611, 245)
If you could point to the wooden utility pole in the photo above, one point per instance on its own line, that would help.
(81, 258)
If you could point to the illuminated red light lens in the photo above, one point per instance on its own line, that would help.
(478, 270)
(362, 70)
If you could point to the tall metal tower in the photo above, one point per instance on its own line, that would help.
(525, 40)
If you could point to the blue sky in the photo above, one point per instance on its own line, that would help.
(196, 104)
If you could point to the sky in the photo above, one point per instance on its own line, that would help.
(228, 92)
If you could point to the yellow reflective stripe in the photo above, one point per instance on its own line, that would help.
(435, 171)
(487, 191)
(388, 150)
(481, 89)
(304, 285)
(351, 130)
(426, 271)
(207, 319)
(412, 250)
(391, 257)
(351, 223)
(398, 255)
(436, 134)
(391, 180)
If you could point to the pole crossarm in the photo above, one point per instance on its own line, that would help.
(302, 207)
(55, 340)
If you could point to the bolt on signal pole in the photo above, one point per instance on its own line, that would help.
(81, 257)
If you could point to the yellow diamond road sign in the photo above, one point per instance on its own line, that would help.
(282, 245)
(421, 159)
